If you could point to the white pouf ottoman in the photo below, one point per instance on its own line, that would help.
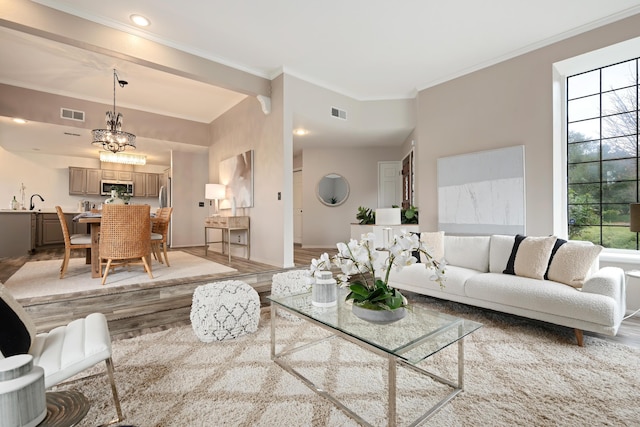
(224, 310)
(290, 282)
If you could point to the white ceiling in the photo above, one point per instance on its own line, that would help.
(365, 49)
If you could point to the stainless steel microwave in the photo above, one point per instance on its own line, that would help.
(106, 185)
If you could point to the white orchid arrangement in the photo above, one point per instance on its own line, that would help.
(361, 259)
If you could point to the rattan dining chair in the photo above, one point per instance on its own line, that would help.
(72, 241)
(125, 237)
(159, 231)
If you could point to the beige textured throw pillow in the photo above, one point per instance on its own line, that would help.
(571, 263)
(433, 242)
(533, 255)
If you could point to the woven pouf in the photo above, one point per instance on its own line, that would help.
(224, 310)
(289, 282)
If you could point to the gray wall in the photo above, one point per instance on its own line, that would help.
(246, 127)
(500, 106)
(189, 174)
(323, 226)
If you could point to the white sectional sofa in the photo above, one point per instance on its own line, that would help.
(592, 299)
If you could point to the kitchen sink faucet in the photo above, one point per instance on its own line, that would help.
(31, 205)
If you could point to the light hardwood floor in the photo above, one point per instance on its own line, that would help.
(141, 309)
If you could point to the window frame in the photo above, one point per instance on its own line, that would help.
(616, 53)
(600, 163)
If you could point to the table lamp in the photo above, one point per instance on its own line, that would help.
(215, 192)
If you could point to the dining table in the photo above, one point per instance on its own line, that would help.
(94, 220)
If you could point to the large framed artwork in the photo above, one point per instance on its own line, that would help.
(237, 174)
(482, 192)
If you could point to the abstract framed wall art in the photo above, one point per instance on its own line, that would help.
(237, 174)
(482, 192)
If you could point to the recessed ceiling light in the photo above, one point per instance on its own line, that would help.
(21, 121)
(300, 132)
(140, 20)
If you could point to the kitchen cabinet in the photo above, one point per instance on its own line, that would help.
(84, 182)
(145, 184)
(49, 231)
(118, 175)
(139, 184)
(17, 233)
(153, 184)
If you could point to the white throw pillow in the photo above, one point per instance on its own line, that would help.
(468, 252)
(433, 242)
(499, 252)
(530, 256)
(571, 263)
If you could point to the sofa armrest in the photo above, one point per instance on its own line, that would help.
(608, 281)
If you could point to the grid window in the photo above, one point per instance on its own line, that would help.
(602, 154)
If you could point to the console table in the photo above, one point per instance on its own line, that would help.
(227, 224)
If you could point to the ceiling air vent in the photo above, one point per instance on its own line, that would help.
(67, 113)
(338, 113)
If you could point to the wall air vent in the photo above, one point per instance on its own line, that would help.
(338, 113)
(69, 114)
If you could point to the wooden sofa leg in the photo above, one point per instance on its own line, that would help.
(579, 337)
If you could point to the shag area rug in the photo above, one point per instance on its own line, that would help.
(40, 278)
(517, 372)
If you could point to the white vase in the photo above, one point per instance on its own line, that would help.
(324, 291)
(233, 206)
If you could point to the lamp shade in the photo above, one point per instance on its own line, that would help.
(214, 191)
(634, 217)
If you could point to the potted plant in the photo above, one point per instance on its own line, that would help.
(121, 192)
(373, 299)
(366, 215)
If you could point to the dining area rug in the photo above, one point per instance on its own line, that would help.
(42, 278)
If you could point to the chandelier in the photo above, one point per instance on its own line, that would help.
(113, 138)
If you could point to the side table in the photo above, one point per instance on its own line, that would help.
(65, 408)
(227, 224)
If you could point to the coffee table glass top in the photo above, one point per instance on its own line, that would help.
(420, 334)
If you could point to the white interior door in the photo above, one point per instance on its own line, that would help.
(389, 184)
(297, 207)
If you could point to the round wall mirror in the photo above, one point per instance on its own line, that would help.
(333, 189)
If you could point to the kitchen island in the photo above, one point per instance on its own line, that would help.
(22, 231)
(17, 232)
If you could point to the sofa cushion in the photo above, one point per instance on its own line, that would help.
(18, 329)
(433, 242)
(530, 256)
(417, 278)
(468, 252)
(571, 263)
(543, 296)
(499, 252)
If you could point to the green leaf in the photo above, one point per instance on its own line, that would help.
(377, 295)
(395, 302)
(359, 289)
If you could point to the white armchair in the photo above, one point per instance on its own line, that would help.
(63, 352)
(68, 350)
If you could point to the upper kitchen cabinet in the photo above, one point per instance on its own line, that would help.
(153, 185)
(117, 175)
(145, 184)
(84, 182)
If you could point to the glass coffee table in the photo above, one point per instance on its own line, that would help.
(407, 342)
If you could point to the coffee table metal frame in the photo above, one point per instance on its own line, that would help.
(394, 358)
